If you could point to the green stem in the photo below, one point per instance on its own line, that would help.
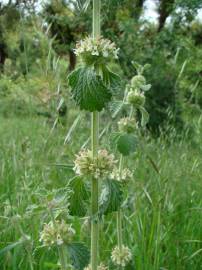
(94, 147)
(63, 258)
(119, 213)
(61, 251)
(119, 229)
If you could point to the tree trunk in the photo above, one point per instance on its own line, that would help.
(72, 60)
(165, 8)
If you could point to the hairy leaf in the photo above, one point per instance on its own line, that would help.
(145, 116)
(79, 255)
(115, 107)
(126, 144)
(88, 89)
(111, 197)
(78, 198)
(112, 80)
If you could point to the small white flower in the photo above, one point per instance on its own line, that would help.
(95, 53)
(105, 53)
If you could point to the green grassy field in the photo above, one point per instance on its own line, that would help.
(163, 214)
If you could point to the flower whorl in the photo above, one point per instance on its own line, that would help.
(57, 233)
(97, 167)
(127, 124)
(96, 50)
(121, 257)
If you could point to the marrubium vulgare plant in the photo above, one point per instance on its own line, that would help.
(92, 86)
(101, 175)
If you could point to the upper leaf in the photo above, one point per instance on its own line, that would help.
(111, 197)
(79, 255)
(88, 89)
(112, 80)
(126, 144)
(78, 198)
(145, 116)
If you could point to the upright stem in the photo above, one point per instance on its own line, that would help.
(61, 251)
(119, 213)
(94, 147)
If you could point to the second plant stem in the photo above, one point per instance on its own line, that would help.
(94, 195)
(119, 212)
(61, 249)
(94, 147)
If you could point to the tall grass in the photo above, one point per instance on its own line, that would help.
(164, 229)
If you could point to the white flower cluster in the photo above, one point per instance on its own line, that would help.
(124, 177)
(98, 47)
(121, 257)
(127, 124)
(100, 267)
(57, 233)
(98, 167)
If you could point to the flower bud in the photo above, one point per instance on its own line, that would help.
(121, 257)
(136, 99)
(137, 81)
(127, 125)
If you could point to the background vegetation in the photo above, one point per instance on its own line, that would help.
(38, 120)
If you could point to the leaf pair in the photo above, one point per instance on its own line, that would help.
(90, 91)
(110, 199)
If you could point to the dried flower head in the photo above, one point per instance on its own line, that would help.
(127, 124)
(100, 267)
(121, 257)
(136, 98)
(95, 49)
(98, 167)
(57, 233)
(123, 177)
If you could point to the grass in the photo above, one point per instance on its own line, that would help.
(162, 216)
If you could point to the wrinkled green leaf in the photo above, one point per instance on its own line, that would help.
(112, 81)
(145, 116)
(114, 137)
(88, 89)
(78, 197)
(111, 197)
(126, 144)
(115, 107)
(79, 255)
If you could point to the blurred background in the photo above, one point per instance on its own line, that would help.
(36, 53)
